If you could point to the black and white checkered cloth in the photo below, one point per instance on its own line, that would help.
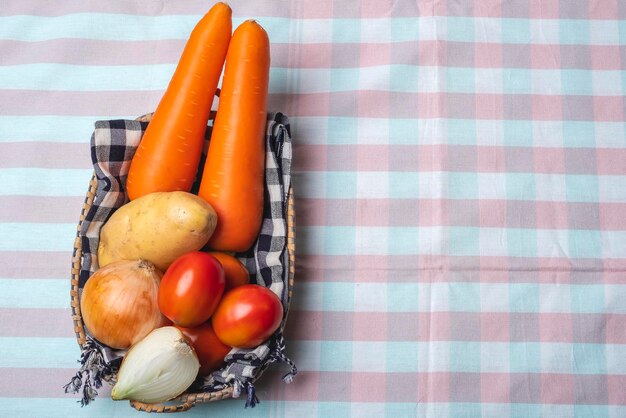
(113, 145)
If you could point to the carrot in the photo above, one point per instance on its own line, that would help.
(233, 177)
(169, 153)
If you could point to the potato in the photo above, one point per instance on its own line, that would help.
(158, 227)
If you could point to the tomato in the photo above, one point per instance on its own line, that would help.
(191, 288)
(247, 316)
(236, 273)
(210, 350)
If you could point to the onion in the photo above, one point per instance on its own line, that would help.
(119, 303)
(158, 368)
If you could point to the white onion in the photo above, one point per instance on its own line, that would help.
(158, 368)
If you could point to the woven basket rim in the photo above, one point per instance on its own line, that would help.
(186, 400)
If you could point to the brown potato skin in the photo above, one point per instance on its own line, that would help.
(158, 227)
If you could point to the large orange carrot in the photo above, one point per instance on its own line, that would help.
(169, 153)
(233, 177)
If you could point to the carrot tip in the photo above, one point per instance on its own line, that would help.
(221, 4)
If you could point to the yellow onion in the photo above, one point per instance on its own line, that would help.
(119, 303)
(158, 368)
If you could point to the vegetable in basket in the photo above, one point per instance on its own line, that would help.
(210, 350)
(233, 177)
(168, 156)
(158, 227)
(161, 226)
(191, 289)
(158, 368)
(119, 303)
(235, 272)
(247, 316)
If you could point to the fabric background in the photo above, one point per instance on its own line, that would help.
(460, 179)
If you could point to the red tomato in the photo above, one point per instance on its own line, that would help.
(236, 273)
(191, 288)
(210, 350)
(247, 316)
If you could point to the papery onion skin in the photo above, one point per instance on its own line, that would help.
(158, 368)
(119, 303)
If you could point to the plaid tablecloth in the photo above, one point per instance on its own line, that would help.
(460, 176)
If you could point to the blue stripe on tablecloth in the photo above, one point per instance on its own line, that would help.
(401, 357)
(460, 241)
(58, 408)
(136, 27)
(407, 297)
(34, 293)
(459, 297)
(44, 182)
(58, 128)
(26, 236)
(55, 76)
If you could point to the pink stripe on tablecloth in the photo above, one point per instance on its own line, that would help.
(45, 155)
(548, 107)
(537, 9)
(365, 389)
(616, 392)
(483, 158)
(372, 326)
(372, 157)
(549, 160)
(51, 209)
(433, 387)
(257, 8)
(79, 103)
(437, 268)
(40, 264)
(605, 57)
(501, 388)
(488, 8)
(492, 213)
(615, 329)
(602, 9)
(495, 388)
(82, 52)
(547, 56)
(540, 9)
(362, 103)
(612, 216)
(611, 161)
(371, 212)
(557, 388)
(356, 386)
(312, 55)
(608, 108)
(460, 326)
(305, 387)
(41, 383)
(486, 55)
(27, 322)
(433, 53)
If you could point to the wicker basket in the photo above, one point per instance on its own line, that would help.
(186, 400)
